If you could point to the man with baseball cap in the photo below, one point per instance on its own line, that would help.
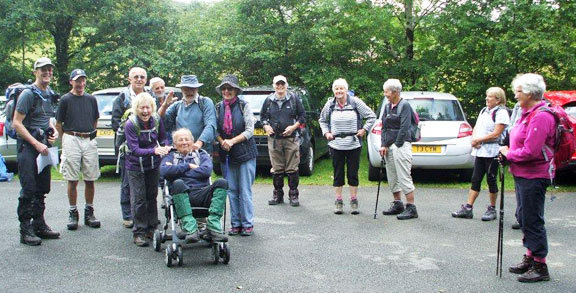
(35, 135)
(194, 112)
(281, 115)
(76, 119)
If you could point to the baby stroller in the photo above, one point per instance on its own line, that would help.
(173, 253)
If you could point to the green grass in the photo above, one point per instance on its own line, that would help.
(323, 176)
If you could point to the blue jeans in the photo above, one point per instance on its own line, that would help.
(240, 178)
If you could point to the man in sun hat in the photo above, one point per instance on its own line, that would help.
(194, 112)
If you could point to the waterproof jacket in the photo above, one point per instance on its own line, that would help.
(141, 156)
(177, 166)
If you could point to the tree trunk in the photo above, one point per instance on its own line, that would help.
(61, 32)
(409, 34)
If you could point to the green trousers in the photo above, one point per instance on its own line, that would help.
(216, 211)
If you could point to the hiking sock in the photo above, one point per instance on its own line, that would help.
(73, 208)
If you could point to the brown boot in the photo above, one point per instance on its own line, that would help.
(278, 194)
(524, 266)
(293, 182)
(538, 272)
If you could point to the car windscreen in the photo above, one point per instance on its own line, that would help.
(429, 109)
(570, 110)
(254, 100)
(105, 103)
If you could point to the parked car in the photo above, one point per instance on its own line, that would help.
(105, 134)
(566, 100)
(7, 144)
(312, 143)
(446, 135)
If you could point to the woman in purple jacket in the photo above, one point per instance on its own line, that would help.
(145, 134)
(531, 142)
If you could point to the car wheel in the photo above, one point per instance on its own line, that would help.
(307, 167)
(374, 173)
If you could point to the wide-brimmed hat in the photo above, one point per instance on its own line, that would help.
(230, 80)
(189, 81)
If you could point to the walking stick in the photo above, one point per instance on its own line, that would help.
(501, 222)
(379, 182)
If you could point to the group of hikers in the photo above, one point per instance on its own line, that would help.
(160, 138)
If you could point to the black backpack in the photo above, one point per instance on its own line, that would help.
(499, 108)
(352, 103)
(13, 92)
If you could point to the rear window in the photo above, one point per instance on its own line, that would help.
(437, 110)
(254, 100)
(105, 103)
(571, 110)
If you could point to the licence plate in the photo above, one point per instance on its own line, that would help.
(428, 149)
(259, 131)
(105, 132)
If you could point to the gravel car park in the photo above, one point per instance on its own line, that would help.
(312, 143)
(446, 135)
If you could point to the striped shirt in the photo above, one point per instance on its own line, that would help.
(345, 122)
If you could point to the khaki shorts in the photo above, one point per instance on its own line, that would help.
(284, 154)
(79, 154)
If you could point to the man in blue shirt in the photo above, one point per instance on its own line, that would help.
(194, 112)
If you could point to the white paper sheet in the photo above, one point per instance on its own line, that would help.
(50, 159)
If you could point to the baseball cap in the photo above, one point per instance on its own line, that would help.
(278, 78)
(42, 62)
(77, 73)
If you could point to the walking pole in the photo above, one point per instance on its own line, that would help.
(501, 221)
(379, 182)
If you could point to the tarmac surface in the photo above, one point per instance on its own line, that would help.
(304, 249)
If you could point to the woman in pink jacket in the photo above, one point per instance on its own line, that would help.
(529, 163)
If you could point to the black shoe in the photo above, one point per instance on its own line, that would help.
(27, 235)
(396, 208)
(45, 232)
(463, 213)
(277, 197)
(538, 272)
(409, 213)
(516, 226)
(89, 218)
(73, 219)
(215, 236)
(522, 267)
(141, 241)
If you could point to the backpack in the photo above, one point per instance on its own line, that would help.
(120, 141)
(352, 103)
(415, 128)
(564, 142)
(12, 94)
(4, 174)
(292, 100)
(499, 108)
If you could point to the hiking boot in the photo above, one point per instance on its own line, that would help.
(277, 197)
(354, 207)
(141, 241)
(339, 205)
(89, 218)
(516, 226)
(45, 232)
(408, 213)
(214, 236)
(538, 272)
(128, 224)
(396, 207)
(249, 231)
(234, 231)
(489, 214)
(522, 267)
(463, 213)
(192, 237)
(73, 219)
(294, 198)
(27, 235)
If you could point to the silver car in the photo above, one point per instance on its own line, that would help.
(446, 135)
(7, 144)
(105, 134)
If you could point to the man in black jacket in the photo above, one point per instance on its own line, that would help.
(281, 116)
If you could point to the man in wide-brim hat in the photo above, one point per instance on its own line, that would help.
(194, 112)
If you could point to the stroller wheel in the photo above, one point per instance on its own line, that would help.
(179, 256)
(216, 253)
(157, 240)
(169, 255)
(225, 253)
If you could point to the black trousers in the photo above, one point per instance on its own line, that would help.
(488, 166)
(350, 158)
(34, 185)
(143, 193)
(530, 196)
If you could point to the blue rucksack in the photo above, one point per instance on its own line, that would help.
(4, 174)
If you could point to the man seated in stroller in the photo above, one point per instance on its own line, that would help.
(188, 174)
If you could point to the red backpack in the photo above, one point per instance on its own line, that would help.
(565, 142)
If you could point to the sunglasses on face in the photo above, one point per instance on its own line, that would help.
(227, 88)
(281, 83)
(139, 77)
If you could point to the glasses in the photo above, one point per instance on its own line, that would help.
(139, 77)
(281, 83)
(227, 88)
